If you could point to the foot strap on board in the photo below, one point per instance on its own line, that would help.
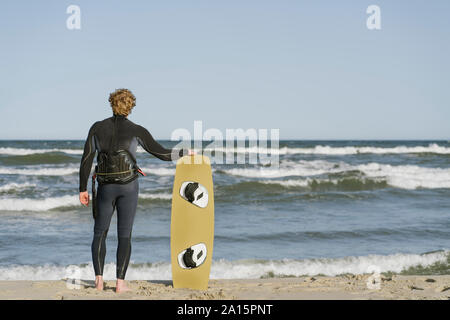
(190, 190)
(187, 258)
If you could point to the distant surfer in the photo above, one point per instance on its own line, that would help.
(115, 141)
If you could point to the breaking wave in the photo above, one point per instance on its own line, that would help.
(318, 150)
(25, 152)
(430, 263)
(52, 203)
(401, 176)
(40, 171)
(328, 150)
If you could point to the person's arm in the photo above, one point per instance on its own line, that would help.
(147, 142)
(87, 159)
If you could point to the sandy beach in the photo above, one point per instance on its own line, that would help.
(346, 287)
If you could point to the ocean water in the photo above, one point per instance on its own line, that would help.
(329, 207)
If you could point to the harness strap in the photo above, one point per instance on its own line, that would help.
(114, 177)
(109, 173)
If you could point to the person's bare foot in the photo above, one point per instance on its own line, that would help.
(99, 283)
(121, 286)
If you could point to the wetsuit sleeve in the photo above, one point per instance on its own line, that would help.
(147, 142)
(87, 159)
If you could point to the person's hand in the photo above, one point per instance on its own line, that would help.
(191, 152)
(84, 198)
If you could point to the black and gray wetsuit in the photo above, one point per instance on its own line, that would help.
(123, 197)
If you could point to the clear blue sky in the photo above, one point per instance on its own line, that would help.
(310, 68)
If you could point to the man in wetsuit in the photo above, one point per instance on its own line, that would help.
(112, 134)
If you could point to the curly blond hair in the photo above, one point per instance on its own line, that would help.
(122, 101)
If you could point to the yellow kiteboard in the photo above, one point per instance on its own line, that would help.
(192, 223)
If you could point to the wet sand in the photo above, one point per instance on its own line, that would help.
(346, 287)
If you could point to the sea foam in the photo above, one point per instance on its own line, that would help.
(26, 152)
(319, 150)
(401, 176)
(51, 203)
(40, 171)
(240, 269)
(16, 186)
(45, 204)
(328, 150)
